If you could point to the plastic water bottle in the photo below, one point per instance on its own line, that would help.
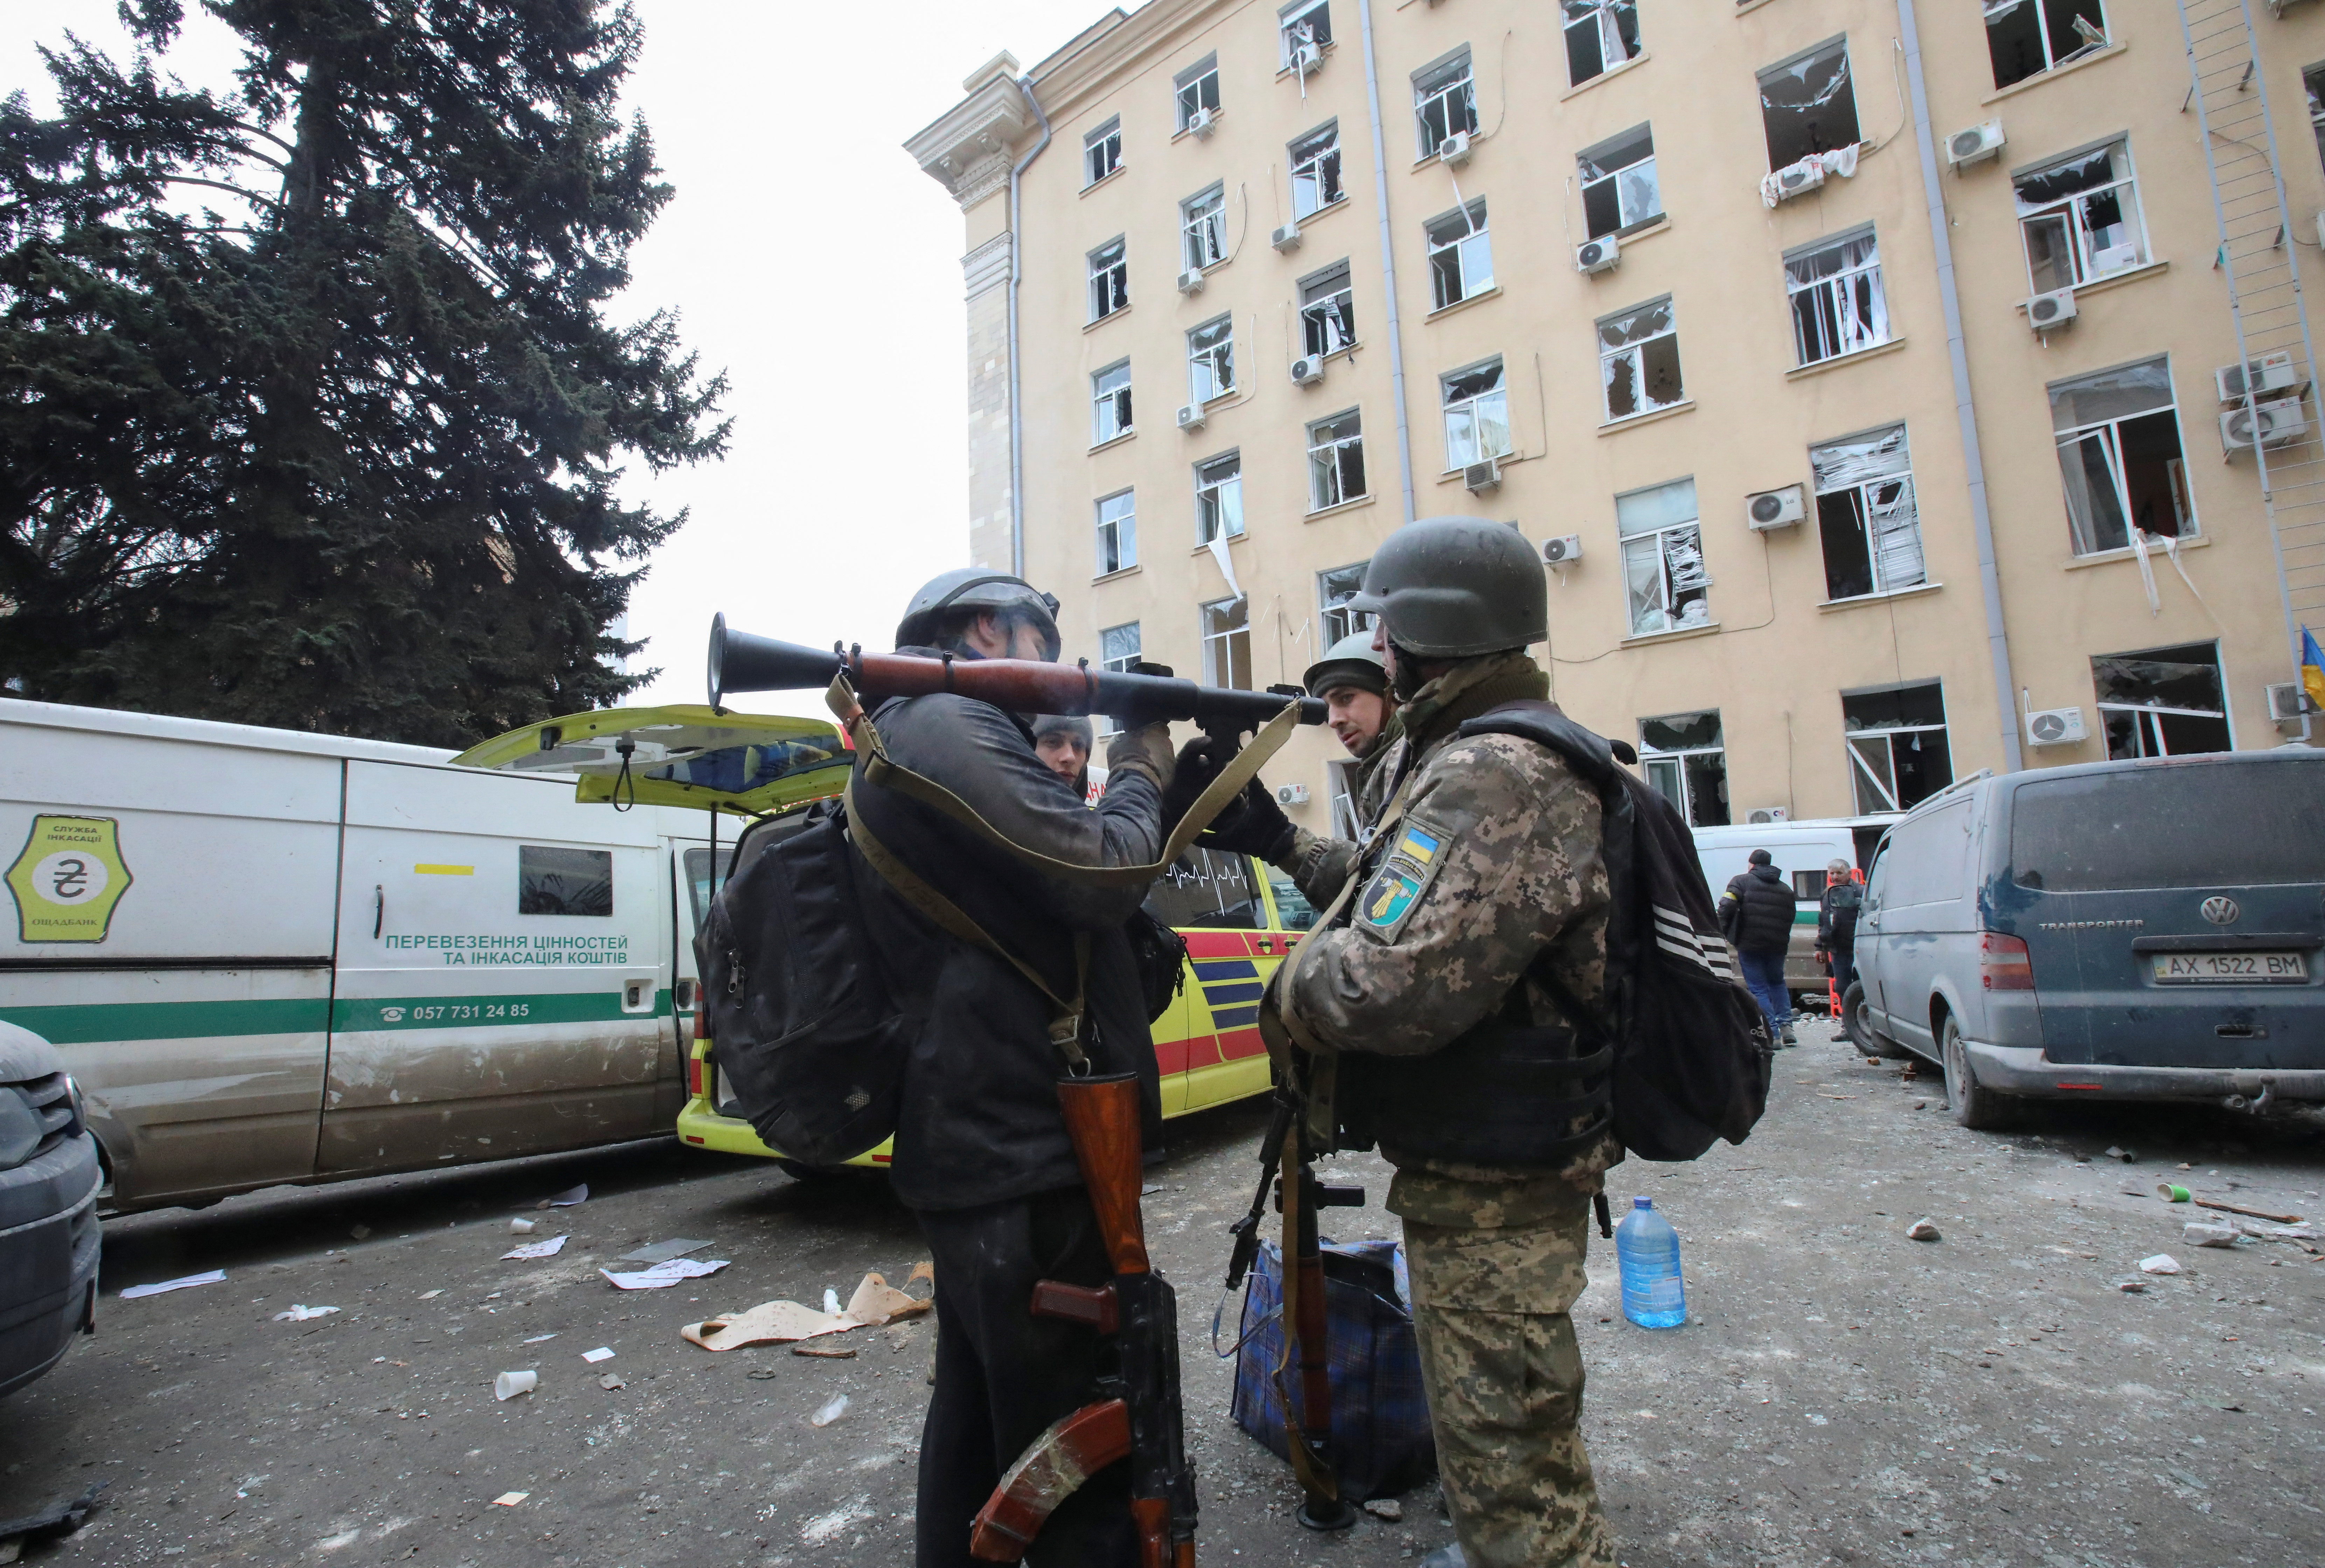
(1646, 1251)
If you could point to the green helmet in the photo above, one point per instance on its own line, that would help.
(973, 589)
(1453, 587)
(1350, 661)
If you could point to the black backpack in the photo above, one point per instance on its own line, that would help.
(1692, 1052)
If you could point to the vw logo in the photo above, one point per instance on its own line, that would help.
(2220, 911)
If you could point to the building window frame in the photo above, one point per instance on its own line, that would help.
(1619, 197)
(1887, 748)
(2138, 729)
(2113, 467)
(1302, 21)
(1218, 497)
(1660, 537)
(1119, 649)
(1601, 35)
(1210, 359)
(2313, 79)
(1863, 486)
(1685, 760)
(1444, 100)
(1110, 406)
(1196, 88)
(1224, 626)
(1102, 152)
(1203, 228)
(1336, 460)
(1335, 586)
(1460, 254)
(1836, 298)
(1328, 311)
(2054, 27)
(1477, 403)
(2059, 228)
(1315, 161)
(1638, 360)
(1109, 278)
(1117, 531)
(1818, 128)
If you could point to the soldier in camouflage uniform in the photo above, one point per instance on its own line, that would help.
(1424, 1005)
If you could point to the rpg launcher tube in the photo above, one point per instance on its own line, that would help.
(740, 662)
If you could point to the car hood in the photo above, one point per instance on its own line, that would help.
(25, 1055)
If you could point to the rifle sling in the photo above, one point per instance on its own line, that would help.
(883, 773)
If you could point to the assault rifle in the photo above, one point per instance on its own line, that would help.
(742, 662)
(1138, 1416)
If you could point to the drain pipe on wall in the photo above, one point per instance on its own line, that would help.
(1016, 391)
(1989, 578)
(1388, 256)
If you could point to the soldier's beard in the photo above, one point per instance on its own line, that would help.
(1405, 678)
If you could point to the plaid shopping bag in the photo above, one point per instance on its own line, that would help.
(1381, 1443)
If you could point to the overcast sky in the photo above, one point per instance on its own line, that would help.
(810, 259)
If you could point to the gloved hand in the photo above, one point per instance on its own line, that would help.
(1146, 750)
(1199, 762)
(1251, 824)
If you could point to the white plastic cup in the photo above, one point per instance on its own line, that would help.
(519, 1226)
(509, 1385)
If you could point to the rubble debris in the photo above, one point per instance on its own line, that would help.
(832, 1353)
(2172, 1193)
(2162, 1263)
(1388, 1509)
(56, 1519)
(2125, 1154)
(431, 1295)
(762, 1375)
(302, 1314)
(609, 1381)
(831, 1302)
(522, 1227)
(2132, 1286)
(359, 1232)
(665, 1274)
(602, 1353)
(566, 1199)
(875, 1304)
(1920, 1105)
(1922, 1231)
(137, 1291)
(830, 1411)
(531, 1250)
(2248, 1214)
(510, 1500)
(2204, 1235)
(539, 1339)
(664, 1252)
(509, 1385)
(2293, 1232)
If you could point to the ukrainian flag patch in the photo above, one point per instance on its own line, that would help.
(1421, 845)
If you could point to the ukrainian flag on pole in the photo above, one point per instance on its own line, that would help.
(2313, 669)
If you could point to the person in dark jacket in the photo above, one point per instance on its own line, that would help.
(982, 1155)
(1836, 937)
(1756, 912)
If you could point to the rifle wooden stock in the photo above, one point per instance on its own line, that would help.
(741, 662)
(1102, 1119)
(1075, 1448)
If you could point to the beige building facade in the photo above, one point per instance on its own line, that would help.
(1853, 362)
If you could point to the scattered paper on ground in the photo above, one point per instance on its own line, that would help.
(302, 1314)
(568, 1198)
(548, 1249)
(430, 1295)
(663, 1251)
(875, 1302)
(540, 1339)
(602, 1353)
(665, 1275)
(188, 1283)
(510, 1500)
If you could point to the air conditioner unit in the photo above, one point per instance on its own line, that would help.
(2275, 424)
(1562, 551)
(1772, 508)
(2046, 311)
(1598, 254)
(1974, 145)
(1203, 122)
(2287, 702)
(1191, 418)
(1483, 476)
(1292, 794)
(1191, 282)
(1454, 151)
(2055, 727)
(1799, 179)
(2272, 373)
(1760, 816)
(1308, 371)
(1307, 58)
(1286, 238)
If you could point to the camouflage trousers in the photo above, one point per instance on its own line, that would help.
(1503, 1376)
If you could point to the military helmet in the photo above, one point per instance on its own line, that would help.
(1350, 661)
(1453, 587)
(973, 589)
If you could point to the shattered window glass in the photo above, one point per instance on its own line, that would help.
(1308, 24)
(1461, 255)
(1869, 526)
(1685, 761)
(1444, 100)
(2313, 78)
(1102, 152)
(1809, 107)
(1219, 498)
(1211, 360)
(2119, 456)
(1618, 183)
(1118, 533)
(1227, 643)
(2027, 37)
(1477, 416)
(1336, 460)
(1199, 89)
(1328, 311)
(2080, 219)
(1109, 279)
(1203, 220)
(1897, 750)
(1600, 34)
(1638, 356)
(1663, 575)
(1334, 589)
(1316, 170)
(2162, 702)
(1838, 306)
(1110, 403)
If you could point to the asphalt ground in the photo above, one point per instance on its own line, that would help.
(1841, 1395)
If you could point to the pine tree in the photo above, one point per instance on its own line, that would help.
(339, 453)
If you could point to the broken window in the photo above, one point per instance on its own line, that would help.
(1304, 22)
(2118, 434)
(1109, 279)
(1102, 152)
(1476, 415)
(2028, 37)
(1663, 577)
(2313, 78)
(1638, 360)
(1316, 169)
(1203, 221)
(1865, 516)
(1444, 100)
(1219, 498)
(1117, 650)
(1600, 34)
(1460, 254)
(1343, 779)
(1328, 311)
(1336, 460)
(1110, 403)
(2163, 702)
(1198, 90)
(1618, 183)
(1211, 360)
(1897, 752)
(2080, 218)
(1334, 589)
(1686, 761)
(1838, 304)
(550, 880)
(1807, 106)
(1118, 533)
(1227, 643)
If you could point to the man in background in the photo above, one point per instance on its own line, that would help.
(1063, 742)
(1757, 913)
(1836, 937)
